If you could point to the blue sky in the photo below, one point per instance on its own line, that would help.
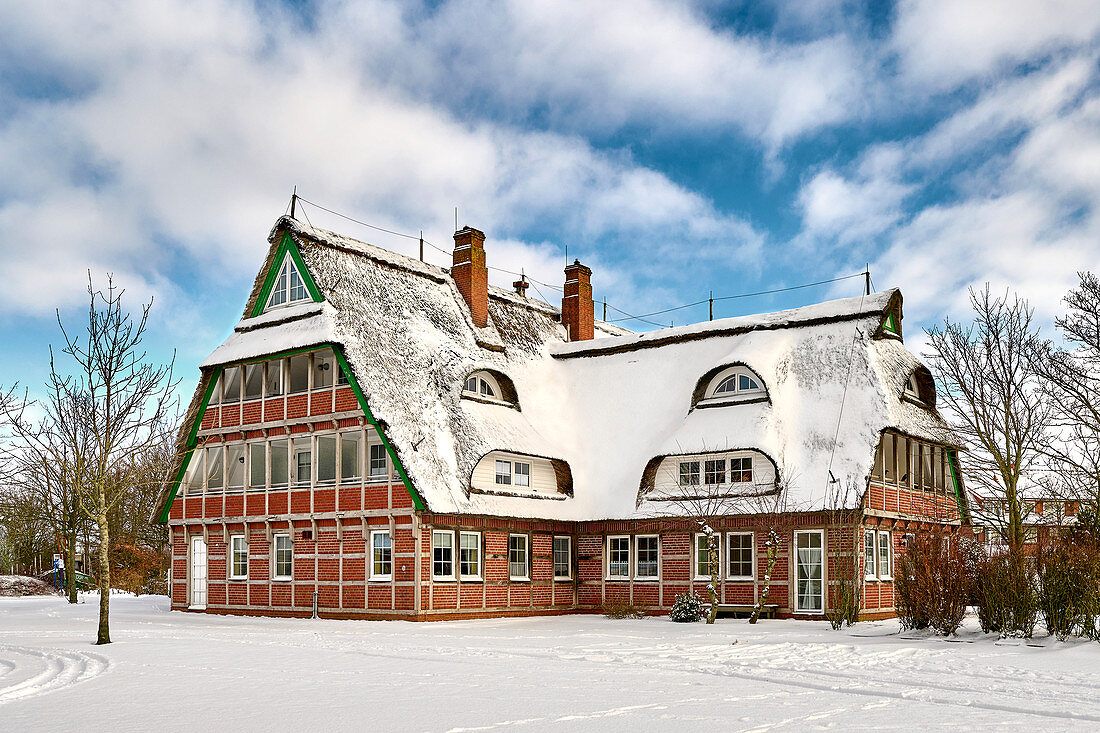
(676, 148)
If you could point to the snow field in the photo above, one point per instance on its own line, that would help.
(174, 671)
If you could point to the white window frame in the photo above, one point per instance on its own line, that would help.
(480, 557)
(233, 556)
(824, 579)
(454, 559)
(275, 556)
(870, 564)
(569, 556)
(634, 557)
(526, 555)
(752, 556)
(497, 475)
(284, 268)
(711, 395)
(483, 379)
(695, 574)
(885, 540)
(373, 477)
(629, 556)
(516, 473)
(384, 576)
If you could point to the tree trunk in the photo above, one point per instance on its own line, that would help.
(70, 567)
(104, 636)
(712, 587)
(773, 556)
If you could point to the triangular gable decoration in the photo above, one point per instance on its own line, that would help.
(289, 286)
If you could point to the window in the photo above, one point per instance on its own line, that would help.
(381, 566)
(888, 458)
(734, 383)
(289, 286)
(740, 470)
(504, 473)
(739, 556)
(523, 474)
(702, 556)
(378, 462)
(810, 571)
(714, 472)
(469, 555)
(929, 480)
(323, 369)
(517, 557)
(231, 381)
(280, 455)
(194, 476)
(239, 561)
(443, 555)
(482, 384)
(216, 392)
(302, 460)
(257, 465)
(326, 458)
(885, 555)
(349, 455)
(618, 558)
(214, 467)
(869, 554)
(689, 473)
(284, 557)
(563, 558)
(645, 563)
(235, 467)
(253, 381)
(299, 373)
(275, 378)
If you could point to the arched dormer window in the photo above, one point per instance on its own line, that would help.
(729, 384)
(920, 387)
(486, 386)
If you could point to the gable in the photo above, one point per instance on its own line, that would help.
(288, 280)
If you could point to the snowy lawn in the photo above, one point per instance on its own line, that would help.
(176, 671)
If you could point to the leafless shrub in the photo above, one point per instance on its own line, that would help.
(932, 584)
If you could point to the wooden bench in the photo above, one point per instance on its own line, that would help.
(767, 611)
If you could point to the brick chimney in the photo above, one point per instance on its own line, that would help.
(576, 303)
(470, 274)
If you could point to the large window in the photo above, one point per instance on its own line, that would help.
(231, 384)
(443, 555)
(702, 556)
(235, 472)
(618, 558)
(253, 381)
(646, 562)
(349, 455)
(381, 545)
(563, 558)
(280, 456)
(469, 555)
(905, 462)
(257, 465)
(284, 557)
(214, 476)
(326, 459)
(810, 571)
(739, 556)
(238, 567)
(519, 567)
(289, 286)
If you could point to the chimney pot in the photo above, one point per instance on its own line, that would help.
(577, 309)
(470, 273)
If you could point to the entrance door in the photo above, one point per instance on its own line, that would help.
(810, 567)
(198, 573)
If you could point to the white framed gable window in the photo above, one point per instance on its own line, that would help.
(734, 384)
(289, 287)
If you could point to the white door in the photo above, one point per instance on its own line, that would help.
(810, 567)
(198, 573)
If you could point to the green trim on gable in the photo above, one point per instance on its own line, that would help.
(190, 444)
(890, 324)
(286, 246)
(956, 479)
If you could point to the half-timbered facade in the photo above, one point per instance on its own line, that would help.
(383, 438)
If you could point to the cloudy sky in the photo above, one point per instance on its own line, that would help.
(677, 148)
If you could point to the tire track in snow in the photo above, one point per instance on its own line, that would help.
(49, 670)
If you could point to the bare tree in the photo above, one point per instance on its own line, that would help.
(990, 390)
(1071, 377)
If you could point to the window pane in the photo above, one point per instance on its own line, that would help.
(562, 557)
(341, 375)
(442, 554)
(216, 393)
(253, 381)
(809, 567)
(279, 456)
(523, 474)
(278, 293)
(740, 470)
(914, 463)
(618, 557)
(689, 473)
(232, 382)
(729, 384)
(739, 555)
(297, 285)
(236, 467)
(487, 389)
(869, 554)
(714, 472)
(349, 455)
(517, 556)
(377, 460)
(302, 460)
(326, 458)
(299, 373)
(884, 554)
(888, 456)
(471, 385)
(381, 554)
(702, 555)
(240, 557)
(929, 480)
(876, 470)
(284, 556)
(323, 363)
(469, 554)
(214, 467)
(195, 475)
(275, 378)
(646, 564)
(504, 472)
(257, 465)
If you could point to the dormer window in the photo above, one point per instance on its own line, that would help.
(732, 384)
(289, 286)
(482, 384)
(920, 388)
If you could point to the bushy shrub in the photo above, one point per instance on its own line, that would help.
(932, 584)
(618, 609)
(1006, 594)
(138, 569)
(687, 607)
(1069, 589)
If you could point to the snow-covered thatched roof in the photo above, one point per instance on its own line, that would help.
(605, 407)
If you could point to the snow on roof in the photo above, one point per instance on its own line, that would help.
(409, 339)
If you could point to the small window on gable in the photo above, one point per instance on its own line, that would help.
(733, 384)
(289, 287)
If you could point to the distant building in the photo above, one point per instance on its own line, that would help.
(1044, 519)
(383, 438)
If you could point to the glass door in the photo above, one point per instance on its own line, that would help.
(198, 573)
(810, 567)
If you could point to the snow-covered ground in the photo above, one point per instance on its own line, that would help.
(175, 671)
